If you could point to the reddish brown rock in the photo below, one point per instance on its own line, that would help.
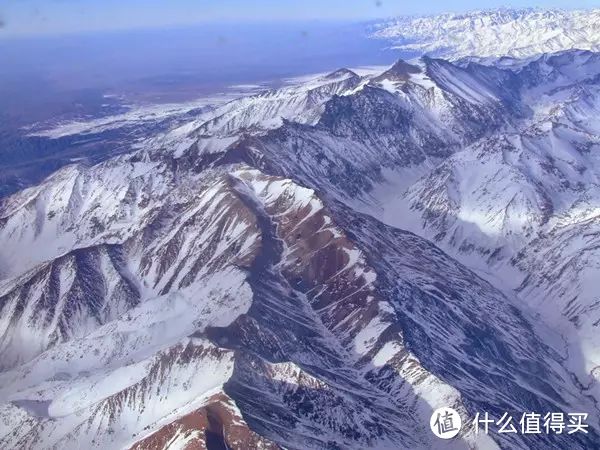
(217, 425)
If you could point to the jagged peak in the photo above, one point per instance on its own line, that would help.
(340, 73)
(400, 71)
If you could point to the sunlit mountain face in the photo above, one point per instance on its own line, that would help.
(494, 33)
(294, 255)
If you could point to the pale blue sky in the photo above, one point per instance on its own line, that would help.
(59, 16)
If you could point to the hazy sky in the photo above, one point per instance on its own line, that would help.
(19, 17)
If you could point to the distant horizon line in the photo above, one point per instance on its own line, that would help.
(5, 36)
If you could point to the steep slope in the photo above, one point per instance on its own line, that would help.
(215, 131)
(324, 334)
(393, 128)
(146, 370)
(62, 299)
(521, 205)
(222, 288)
(113, 244)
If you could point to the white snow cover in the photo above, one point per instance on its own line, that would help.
(137, 114)
(519, 205)
(67, 385)
(495, 33)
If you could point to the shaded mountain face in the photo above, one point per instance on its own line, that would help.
(320, 266)
(400, 71)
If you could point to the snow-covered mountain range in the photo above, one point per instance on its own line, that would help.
(494, 33)
(317, 266)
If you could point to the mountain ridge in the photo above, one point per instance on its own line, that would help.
(493, 33)
(267, 282)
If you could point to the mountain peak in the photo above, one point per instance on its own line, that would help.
(400, 71)
(340, 73)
